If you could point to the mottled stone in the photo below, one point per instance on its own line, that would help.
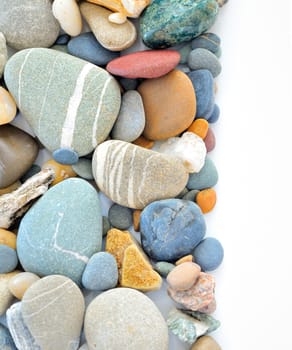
(207, 177)
(61, 231)
(145, 176)
(3, 53)
(18, 151)
(209, 254)
(6, 341)
(83, 168)
(204, 59)
(171, 228)
(206, 343)
(131, 119)
(28, 23)
(116, 320)
(208, 41)
(54, 91)
(120, 217)
(177, 22)
(6, 296)
(112, 36)
(59, 325)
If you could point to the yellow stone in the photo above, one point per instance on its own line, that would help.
(19, 283)
(8, 238)
(137, 271)
(10, 188)
(6, 298)
(8, 107)
(62, 171)
(187, 258)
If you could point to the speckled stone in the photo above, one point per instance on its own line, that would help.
(61, 231)
(120, 217)
(18, 151)
(208, 41)
(3, 53)
(206, 178)
(83, 168)
(28, 23)
(171, 228)
(209, 254)
(6, 341)
(47, 310)
(54, 91)
(206, 343)
(169, 27)
(146, 175)
(8, 259)
(204, 59)
(116, 320)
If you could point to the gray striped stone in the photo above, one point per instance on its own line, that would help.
(68, 102)
(133, 176)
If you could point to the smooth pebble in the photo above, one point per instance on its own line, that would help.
(6, 297)
(184, 276)
(210, 140)
(205, 343)
(62, 171)
(8, 259)
(7, 238)
(207, 177)
(120, 217)
(106, 226)
(213, 118)
(208, 41)
(8, 107)
(83, 168)
(62, 39)
(164, 268)
(209, 254)
(204, 59)
(68, 15)
(19, 283)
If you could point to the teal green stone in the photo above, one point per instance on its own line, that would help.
(163, 268)
(168, 22)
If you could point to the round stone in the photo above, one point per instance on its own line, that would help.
(205, 343)
(164, 268)
(210, 140)
(8, 259)
(101, 272)
(124, 318)
(204, 59)
(209, 254)
(19, 283)
(83, 168)
(171, 229)
(207, 177)
(184, 276)
(62, 39)
(65, 156)
(120, 217)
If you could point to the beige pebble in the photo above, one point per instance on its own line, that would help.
(187, 258)
(68, 14)
(8, 107)
(205, 343)
(8, 238)
(19, 284)
(183, 276)
(6, 297)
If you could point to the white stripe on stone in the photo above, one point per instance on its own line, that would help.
(20, 76)
(74, 103)
(131, 189)
(94, 128)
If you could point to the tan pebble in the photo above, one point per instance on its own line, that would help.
(183, 276)
(205, 343)
(62, 171)
(117, 18)
(136, 219)
(187, 258)
(8, 238)
(8, 107)
(68, 14)
(21, 282)
(143, 142)
(6, 298)
(10, 188)
(112, 36)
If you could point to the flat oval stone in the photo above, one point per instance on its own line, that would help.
(203, 83)
(171, 229)
(209, 254)
(28, 23)
(183, 276)
(116, 320)
(204, 59)
(120, 217)
(207, 177)
(208, 41)
(53, 310)
(144, 64)
(8, 259)
(6, 341)
(143, 177)
(177, 22)
(112, 36)
(54, 91)
(68, 15)
(60, 233)
(205, 343)
(131, 119)
(86, 46)
(18, 151)
(19, 283)
(162, 98)
(3, 53)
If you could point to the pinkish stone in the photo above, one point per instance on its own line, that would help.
(144, 64)
(210, 308)
(184, 276)
(210, 140)
(198, 296)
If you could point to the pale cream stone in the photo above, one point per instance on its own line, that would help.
(19, 283)
(68, 14)
(6, 296)
(8, 107)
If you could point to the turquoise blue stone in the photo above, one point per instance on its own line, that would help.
(65, 156)
(6, 341)
(207, 177)
(166, 23)
(61, 231)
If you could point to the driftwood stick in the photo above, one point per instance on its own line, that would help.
(16, 203)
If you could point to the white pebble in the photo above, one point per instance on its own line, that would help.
(68, 14)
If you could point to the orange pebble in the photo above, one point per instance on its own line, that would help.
(187, 258)
(143, 142)
(199, 127)
(136, 219)
(7, 238)
(206, 200)
(62, 171)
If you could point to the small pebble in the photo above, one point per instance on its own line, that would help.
(183, 276)
(83, 168)
(7, 107)
(209, 254)
(129, 84)
(34, 169)
(8, 259)
(120, 217)
(191, 195)
(207, 177)
(199, 127)
(213, 118)
(65, 155)
(62, 39)
(204, 59)
(187, 258)
(210, 140)
(136, 219)
(106, 226)
(68, 15)
(101, 272)
(6, 298)
(143, 142)
(208, 41)
(206, 200)
(164, 268)
(205, 343)
(19, 283)
(182, 193)
(62, 171)
(184, 51)
(7, 238)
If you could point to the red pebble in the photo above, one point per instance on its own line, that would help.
(210, 140)
(144, 64)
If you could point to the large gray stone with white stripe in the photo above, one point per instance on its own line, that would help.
(68, 102)
(133, 176)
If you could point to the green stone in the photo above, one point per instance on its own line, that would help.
(168, 22)
(164, 268)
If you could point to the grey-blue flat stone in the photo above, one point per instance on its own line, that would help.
(204, 59)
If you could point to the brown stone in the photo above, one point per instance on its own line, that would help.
(169, 103)
(205, 343)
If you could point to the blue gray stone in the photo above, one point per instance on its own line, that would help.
(8, 259)
(120, 217)
(61, 231)
(214, 115)
(6, 341)
(62, 39)
(208, 41)
(65, 156)
(129, 84)
(191, 195)
(166, 23)
(203, 83)
(207, 177)
(83, 168)
(204, 59)
(171, 229)
(86, 46)
(209, 254)
(101, 272)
